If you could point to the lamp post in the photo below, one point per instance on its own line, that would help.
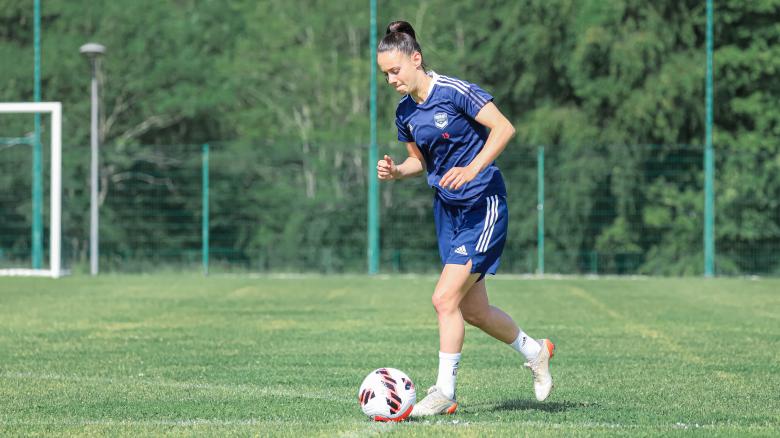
(94, 51)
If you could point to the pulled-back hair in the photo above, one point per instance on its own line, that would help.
(400, 36)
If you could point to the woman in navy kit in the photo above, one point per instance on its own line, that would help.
(454, 131)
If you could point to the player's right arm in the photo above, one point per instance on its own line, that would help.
(386, 169)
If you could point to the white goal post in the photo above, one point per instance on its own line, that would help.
(55, 192)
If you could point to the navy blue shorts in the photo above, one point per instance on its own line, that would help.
(475, 233)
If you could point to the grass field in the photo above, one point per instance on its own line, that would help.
(184, 355)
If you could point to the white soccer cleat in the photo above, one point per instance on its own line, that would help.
(540, 369)
(435, 403)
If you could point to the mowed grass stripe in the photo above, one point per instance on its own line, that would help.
(666, 342)
(363, 428)
(244, 390)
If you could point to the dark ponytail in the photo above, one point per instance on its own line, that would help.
(400, 36)
(401, 26)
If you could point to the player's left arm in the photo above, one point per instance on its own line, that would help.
(501, 131)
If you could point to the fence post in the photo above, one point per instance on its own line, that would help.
(540, 210)
(205, 213)
(373, 154)
(709, 168)
(37, 191)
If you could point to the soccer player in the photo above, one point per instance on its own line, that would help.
(454, 131)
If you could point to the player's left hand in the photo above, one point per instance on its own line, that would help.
(456, 177)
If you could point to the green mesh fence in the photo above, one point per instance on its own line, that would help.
(16, 190)
(151, 212)
(620, 209)
(624, 210)
(15, 203)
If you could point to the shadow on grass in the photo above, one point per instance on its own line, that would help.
(531, 405)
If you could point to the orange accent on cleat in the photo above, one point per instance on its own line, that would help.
(435, 403)
(550, 347)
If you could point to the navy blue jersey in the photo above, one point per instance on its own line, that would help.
(446, 132)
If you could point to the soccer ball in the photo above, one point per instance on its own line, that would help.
(387, 394)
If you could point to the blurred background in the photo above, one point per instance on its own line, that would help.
(260, 110)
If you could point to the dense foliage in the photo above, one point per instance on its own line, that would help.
(613, 90)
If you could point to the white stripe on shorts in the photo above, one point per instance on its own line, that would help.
(492, 225)
(485, 226)
(491, 216)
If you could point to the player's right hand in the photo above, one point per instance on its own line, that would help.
(386, 169)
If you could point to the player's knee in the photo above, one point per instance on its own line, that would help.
(444, 302)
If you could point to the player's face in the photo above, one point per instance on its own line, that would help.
(400, 70)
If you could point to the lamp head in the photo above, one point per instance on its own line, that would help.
(92, 50)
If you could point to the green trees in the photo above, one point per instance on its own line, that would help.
(747, 114)
(613, 90)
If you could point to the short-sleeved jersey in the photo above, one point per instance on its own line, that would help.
(446, 132)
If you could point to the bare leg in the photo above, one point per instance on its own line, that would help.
(454, 283)
(477, 311)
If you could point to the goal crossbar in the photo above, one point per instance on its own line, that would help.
(55, 195)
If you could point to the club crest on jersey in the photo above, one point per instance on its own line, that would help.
(440, 120)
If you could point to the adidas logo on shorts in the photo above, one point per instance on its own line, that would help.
(461, 250)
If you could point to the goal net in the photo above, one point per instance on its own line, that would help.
(13, 240)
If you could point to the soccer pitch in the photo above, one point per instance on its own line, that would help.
(269, 356)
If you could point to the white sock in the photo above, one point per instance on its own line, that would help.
(526, 345)
(448, 372)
